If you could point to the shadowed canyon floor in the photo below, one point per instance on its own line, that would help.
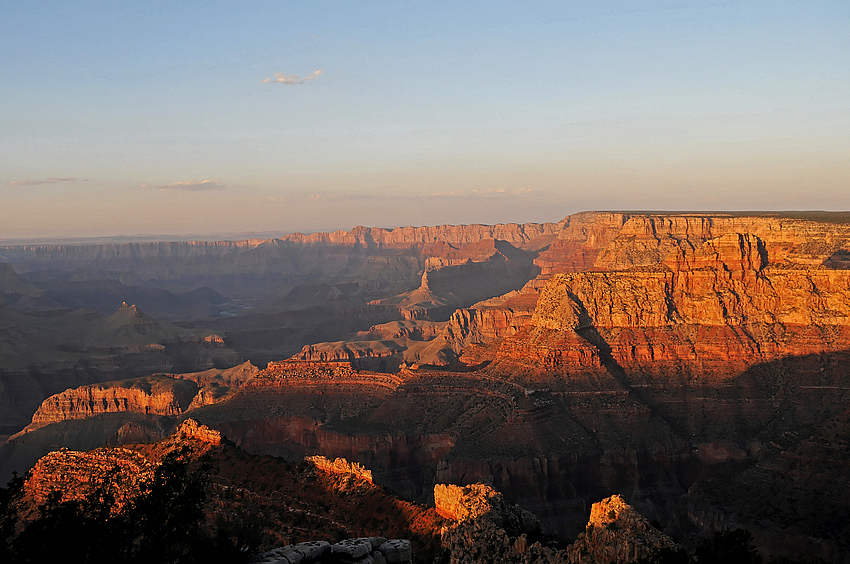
(696, 363)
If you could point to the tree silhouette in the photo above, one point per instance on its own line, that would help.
(162, 524)
(728, 547)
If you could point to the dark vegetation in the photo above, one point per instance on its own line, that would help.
(729, 546)
(165, 523)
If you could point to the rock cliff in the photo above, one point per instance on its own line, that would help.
(116, 472)
(714, 310)
(702, 263)
(154, 395)
(482, 502)
(178, 261)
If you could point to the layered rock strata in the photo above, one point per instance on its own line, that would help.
(148, 396)
(683, 245)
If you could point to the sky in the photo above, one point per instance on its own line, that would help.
(215, 118)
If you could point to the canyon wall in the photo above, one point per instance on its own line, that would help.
(692, 252)
(259, 261)
(148, 396)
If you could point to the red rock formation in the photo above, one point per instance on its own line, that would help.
(155, 395)
(696, 248)
(411, 330)
(486, 529)
(348, 351)
(718, 303)
(192, 430)
(480, 501)
(341, 466)
(616, 534)
(462, 503)
(306, 374)
(116, 471)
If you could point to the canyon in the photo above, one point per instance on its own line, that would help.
(695, 363)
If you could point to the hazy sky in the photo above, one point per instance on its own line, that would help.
(169, 117)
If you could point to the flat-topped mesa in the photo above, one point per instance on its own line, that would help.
(346, 351)
(320, 374)
(154, 395)
(648, 315)
(294, 368)
(648, 318)
(413, 330)
(457, 235)
(716, 292)
(341, 466)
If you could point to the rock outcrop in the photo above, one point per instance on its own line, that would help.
(616, 534)
(714, 311)
(482, 502)
(116, 472)
(154, 395)
(341, 466)
(654, 355)
(486, 529)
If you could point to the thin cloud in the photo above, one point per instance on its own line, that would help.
(502, 191)
(330, 196)
(188, 186)
(291, 79)
(488, 192)
(46, 181)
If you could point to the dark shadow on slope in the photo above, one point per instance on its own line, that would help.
(839, 260)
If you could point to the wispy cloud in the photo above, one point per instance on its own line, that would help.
(488, 192)
(500, 191)
(331, 196)
(188, 186)
(46, 181)
(281, 78)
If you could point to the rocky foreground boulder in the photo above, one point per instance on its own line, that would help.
(367, 550)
